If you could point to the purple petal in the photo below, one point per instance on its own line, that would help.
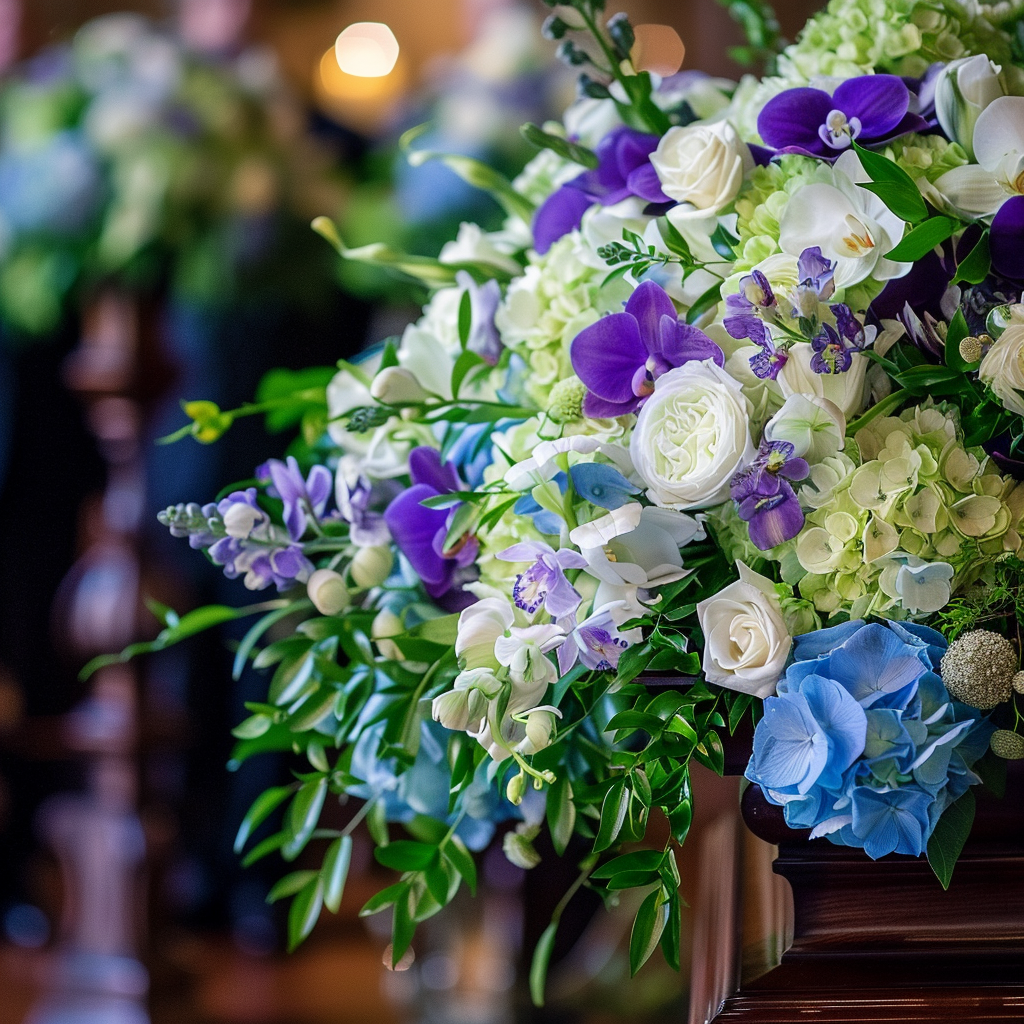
(414, 527)
(1007, 239)
(425, 467)
(779, 519)
(606, 354)
(879, 101)
(527, 551)
(287, 479)
(559, 214)
(745, 326)
(648, 304)
(645, 183)
(792, 119)
(596, 408)
(319, 485)
(682, 342)
(562, 597)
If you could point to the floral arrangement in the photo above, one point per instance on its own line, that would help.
(126, 157)
(732, 404)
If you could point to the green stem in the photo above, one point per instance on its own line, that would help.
(886, 405)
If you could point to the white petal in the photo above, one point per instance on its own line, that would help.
(999, 130)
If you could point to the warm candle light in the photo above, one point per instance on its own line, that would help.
(658, 48)
(367, 49)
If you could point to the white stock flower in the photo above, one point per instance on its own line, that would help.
(746, 642)
(963, 89)
(814, 426)
(691, 436)
(636, 546)
(1002, 369)
(702, 166)
(851, 226)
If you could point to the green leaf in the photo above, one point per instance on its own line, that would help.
(647, 928)
(303, 816)
(710, 752)
(958, 330)
(707, 301)
(922, 239)
(976, 264)
(632, 662)
(465, 325)
(262, 807)
(639, 860)
(466, 362)
(613, 814)
(403, 927)
(335, 871)
(561, 813)
(950, 834)
(892, 185)
(290, 679)
(461, 860)
(738, 708)
(632, 880)
(670, 937)
(290, 885)
(261, 849)
(539, 963)
(252, 728)
(384, 899)
(257, 630)
(405, 855)
(304, 912)
(377, 823)
(536, 136)
(314, 710)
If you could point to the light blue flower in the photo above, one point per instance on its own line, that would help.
(891, 821)
(602, 485)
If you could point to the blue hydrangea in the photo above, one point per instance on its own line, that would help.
(863, 743)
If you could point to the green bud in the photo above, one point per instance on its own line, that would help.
(371, 566)
(554, 28)
(1007, 744)
(515, 789)
(621, 33)
(566, 401)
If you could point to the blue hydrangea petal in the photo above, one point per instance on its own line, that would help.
(842, 720)
(823, 641)
(886, 735)
(874, 664)
(892, 821)
(789, 747)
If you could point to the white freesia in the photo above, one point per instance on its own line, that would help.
(963, 89)
(691, 436)
(636, 546)
(746, 642)
(701, 166)
(814, 426)
(851, 226)
(1002, 368)
(844, 390)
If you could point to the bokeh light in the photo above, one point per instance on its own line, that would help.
(367, 49)
(658, 48)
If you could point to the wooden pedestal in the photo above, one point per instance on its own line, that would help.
(864, 940)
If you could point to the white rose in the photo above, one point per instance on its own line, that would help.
(964, 88)
(691, 436)
(814, 426)
(746, 642)
(701, 165)
(1002, 369)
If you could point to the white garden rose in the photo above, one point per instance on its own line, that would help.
(746, 642)
(691, 436)
(701, 165)
(1002, 369)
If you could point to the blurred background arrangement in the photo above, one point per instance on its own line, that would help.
(160, 163)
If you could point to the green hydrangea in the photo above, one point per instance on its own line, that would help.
(559, 294)
(902, 37)
(927, 156)
(913, 494)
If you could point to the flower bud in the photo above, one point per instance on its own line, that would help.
(970, 349)
(396, 386)
(515, 789)
(540, 728)
(964, 88)
(518, 846)
(240, 519)
(451, 709)
(371, 566)
(1007, 744)
(387, 624)
(327, 591)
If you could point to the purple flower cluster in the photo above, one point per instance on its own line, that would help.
(765, 498)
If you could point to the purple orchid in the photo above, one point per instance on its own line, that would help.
(302, 498)
(815, 283)
(420, 532)
(1006, 241)
(755, 293)
(545, 582)
(764, 497)
(872, 109)
(624, 169)
(366, 529)
(620, 356)
(831, 354)
(770, 360)
(597, 641)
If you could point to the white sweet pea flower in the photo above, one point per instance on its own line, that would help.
(692, 436)
(636, 546)
(963, 89)
(701, 166)
(540, 729)
(845, 391)
(541, 467)
(746, 642)
(480, 626)
(814, 426)
(851, 226)
(523, 652)
(474, 245)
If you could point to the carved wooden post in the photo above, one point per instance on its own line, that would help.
(95, 974)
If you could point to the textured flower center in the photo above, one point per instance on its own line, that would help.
(857, 240)
(839, 131)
